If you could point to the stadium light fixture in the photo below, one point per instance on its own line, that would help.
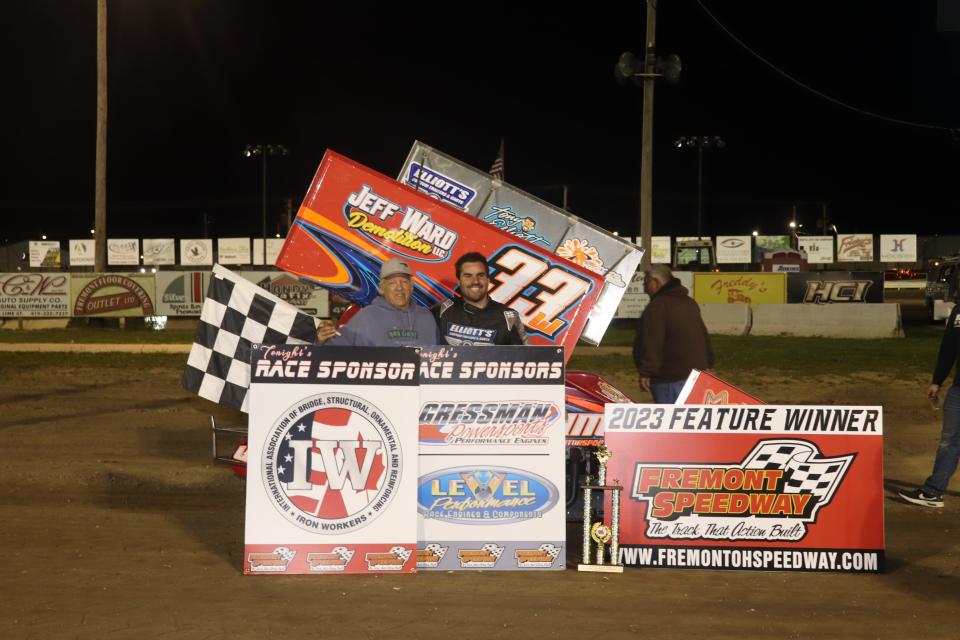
(700, 143)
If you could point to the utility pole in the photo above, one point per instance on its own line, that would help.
(100, 194)
(646, 145)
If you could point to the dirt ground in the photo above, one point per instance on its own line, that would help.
(114, 523)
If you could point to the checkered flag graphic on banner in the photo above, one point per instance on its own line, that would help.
(805, 470)
(236, 314)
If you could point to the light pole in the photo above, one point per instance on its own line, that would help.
(700, 143)
(262, 151)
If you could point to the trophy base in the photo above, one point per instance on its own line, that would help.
(601, 568)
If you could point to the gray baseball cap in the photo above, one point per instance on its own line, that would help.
(394, 266)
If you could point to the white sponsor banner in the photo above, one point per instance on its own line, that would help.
(273, 250)
(733, 249)
(305, 296)
(123, 251)
(854, 247)
(44, 253)
(331, 460)
(659, 249)
(898, 247)
(196, 252)
(181, 293)
(819, 249)
(635, 299)
(82, 253)
(233, 250)
(159, 251)
(492, 435)
(34, 295)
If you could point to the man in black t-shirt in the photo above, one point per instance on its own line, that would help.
(475, 319)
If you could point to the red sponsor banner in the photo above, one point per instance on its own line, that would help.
(739, 487)
(705, 388)
(353, 219)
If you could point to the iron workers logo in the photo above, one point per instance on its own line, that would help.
(480, 423)
(408, 232)
(771, 495)
(485, 495)
(439, 186)
(332, 463)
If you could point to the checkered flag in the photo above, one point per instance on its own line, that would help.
(236, 314)
(805, 470)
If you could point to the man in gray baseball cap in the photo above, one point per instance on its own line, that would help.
(393, 319)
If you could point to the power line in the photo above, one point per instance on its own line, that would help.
(921, 125)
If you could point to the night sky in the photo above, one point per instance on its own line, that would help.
(193, 81)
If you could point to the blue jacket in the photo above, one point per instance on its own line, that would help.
(382, 325)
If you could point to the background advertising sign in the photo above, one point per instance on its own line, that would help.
(332, 460)
(771, 243)
(785, 488)
(233, 250)
(125, 251)
(733, 249)
(660, 250)
(635, 299)
(748, 288)
(44, 253)
(181, 293)
(273, 250)
(491, 493)
(159, 251)
(819, 249)
(898, 248)
(81, 253)
(854, 247)
(195, 253)
(34, 295)
(544, 225)
(832, 287)
(353, 219)
(305, 296)
(112, 294)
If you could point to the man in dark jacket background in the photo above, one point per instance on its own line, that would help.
(671, 337)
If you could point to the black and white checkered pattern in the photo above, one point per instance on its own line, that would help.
(805, 469)
(236, 314)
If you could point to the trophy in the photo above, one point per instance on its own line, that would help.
(601, 533)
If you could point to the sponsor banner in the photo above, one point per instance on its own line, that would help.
(34, 295)
(491, 436)
(353, 219)
(733, 249)
(123, 251)
(332, 468)
(705, 388)
(159, 251)
(196, 253)
(273, 250)
(749, 485)
(181, 293)
(819, 249)
(233, 250)
(898, 247)
(305, 296)
(635, 299)
(660, 249)
(112, 294)
(44, 253)
(854, 247)
(771, 243)
(82, 253)
(830, 287)
(748, 288)
(446, 179)
(543, 225)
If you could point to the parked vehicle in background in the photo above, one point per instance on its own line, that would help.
(694, 255)
(941, 291)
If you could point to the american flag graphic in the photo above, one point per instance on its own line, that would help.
(344, 466)
(496, 169)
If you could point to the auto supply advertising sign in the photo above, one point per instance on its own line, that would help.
(353, 219)
(785, 488)
(34, 295)
(491, 492)
(112, 294)
(331, 460)
(833, 287)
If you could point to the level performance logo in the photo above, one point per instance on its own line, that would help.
(773, 494)
(332, 463)
(485, 495)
